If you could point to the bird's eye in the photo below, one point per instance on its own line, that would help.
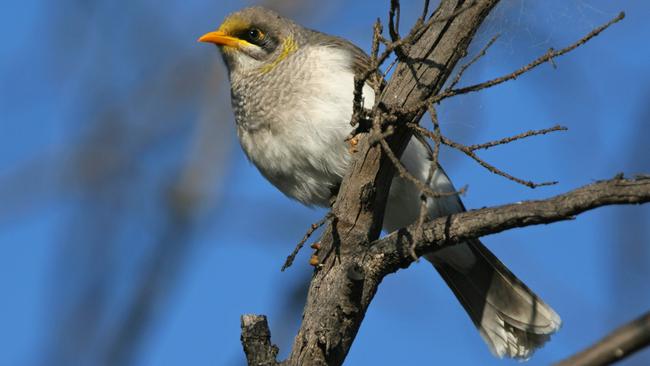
(255, 34)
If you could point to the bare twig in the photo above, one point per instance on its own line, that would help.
(491, 167)
(520, 136)
(404, 173)
(396, 42)
(360, 80)
(619, 344)
(308, 234)
(436, 136)
(469, 152)
(548, 56)
(393, 20)
(464, 68)
(425, 10)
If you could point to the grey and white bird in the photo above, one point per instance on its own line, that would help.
(292, 96)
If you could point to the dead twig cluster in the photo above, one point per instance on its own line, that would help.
(395, 43)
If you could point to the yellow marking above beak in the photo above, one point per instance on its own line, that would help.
(221, 39)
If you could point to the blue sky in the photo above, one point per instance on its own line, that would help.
(60, 65)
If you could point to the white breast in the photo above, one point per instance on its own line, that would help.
(300, 147)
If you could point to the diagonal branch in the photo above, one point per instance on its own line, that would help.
(469, 151)
(507, 140)
(457, 228)
(465, 67)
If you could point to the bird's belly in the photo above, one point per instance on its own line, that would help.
(298, 168)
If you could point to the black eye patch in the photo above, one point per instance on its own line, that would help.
(258, 37)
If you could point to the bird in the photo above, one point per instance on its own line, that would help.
(292, 91)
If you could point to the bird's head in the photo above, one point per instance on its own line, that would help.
(254, 39)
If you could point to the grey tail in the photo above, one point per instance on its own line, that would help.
(512, 320)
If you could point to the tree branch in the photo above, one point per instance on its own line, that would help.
(616, 346)
(394, 249)
(256, 339)
(371, 263)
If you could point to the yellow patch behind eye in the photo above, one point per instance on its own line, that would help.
(289, 46)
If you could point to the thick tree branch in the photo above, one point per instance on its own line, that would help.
(616, 346)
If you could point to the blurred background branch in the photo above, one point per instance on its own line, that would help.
(616, 346)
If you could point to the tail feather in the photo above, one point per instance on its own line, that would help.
(510, 317)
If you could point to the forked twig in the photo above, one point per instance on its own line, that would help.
(548, 56)
(394, 46)
(464, 68)
(469, 152)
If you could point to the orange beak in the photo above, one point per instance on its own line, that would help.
(220, 39)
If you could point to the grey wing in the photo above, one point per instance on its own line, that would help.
(360, 60)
